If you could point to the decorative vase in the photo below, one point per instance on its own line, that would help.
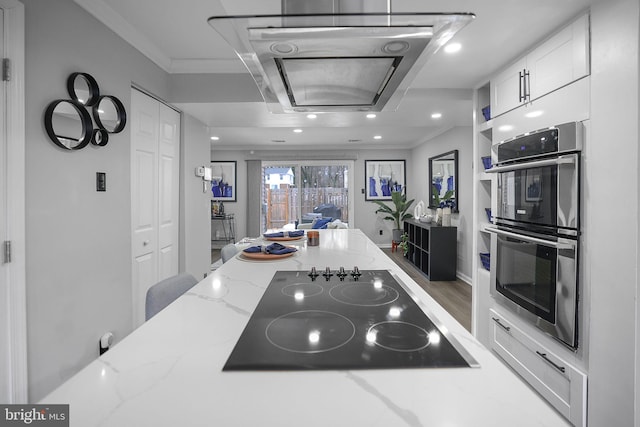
(417, 211)
(439, 216)
(446, 217)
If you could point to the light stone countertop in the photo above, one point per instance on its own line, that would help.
(169, 372)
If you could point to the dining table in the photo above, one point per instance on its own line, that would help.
(171, 372)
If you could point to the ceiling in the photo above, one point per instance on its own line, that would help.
(177, 37)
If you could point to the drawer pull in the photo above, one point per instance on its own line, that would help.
(506, 328)
(544, 356)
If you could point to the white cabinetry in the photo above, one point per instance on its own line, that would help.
(506, 88)
(563, 385)
(560, 60)
(485, 186)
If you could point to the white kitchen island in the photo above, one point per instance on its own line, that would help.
(169, 372)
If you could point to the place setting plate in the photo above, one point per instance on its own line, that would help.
(261, 256)
(285, 239)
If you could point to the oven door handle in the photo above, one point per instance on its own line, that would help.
(561, 160)
(556, 245)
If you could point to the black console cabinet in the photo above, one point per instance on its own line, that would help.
(432, 249)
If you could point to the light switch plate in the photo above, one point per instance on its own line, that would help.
(101, 181)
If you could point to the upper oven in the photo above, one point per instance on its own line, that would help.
(538, 180)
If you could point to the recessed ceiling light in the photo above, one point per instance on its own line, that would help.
(377, 137)
(371, 116)
(436, 115)
(215, 138)
(505, 128)
(297, 130)
(452, 47)
(312, 116)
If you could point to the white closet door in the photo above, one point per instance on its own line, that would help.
(155, 142)
(169, 166)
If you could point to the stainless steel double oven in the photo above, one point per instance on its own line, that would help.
(535, 241)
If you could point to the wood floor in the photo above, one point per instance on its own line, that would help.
(455, 296)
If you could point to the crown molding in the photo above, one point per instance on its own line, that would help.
(196, 66)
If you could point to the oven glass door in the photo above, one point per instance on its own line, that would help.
(529, 195)
(526, 274)
(541, 194)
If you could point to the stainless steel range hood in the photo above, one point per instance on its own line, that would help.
(336, 60)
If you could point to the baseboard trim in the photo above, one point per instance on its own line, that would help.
(464, 278)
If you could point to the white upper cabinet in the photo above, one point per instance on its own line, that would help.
(506, 88)
(560, 60)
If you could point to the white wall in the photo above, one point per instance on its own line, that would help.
(461, 139)
(365, 217)
(612, 213)
(195, 204)
(78, 248)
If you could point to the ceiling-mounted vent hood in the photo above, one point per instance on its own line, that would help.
(309, 61)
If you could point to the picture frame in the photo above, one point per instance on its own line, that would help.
(223, 181)
(533, 185)
(381, 177)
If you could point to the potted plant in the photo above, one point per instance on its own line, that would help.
(444, 201)
(396, 213)
(404, 243)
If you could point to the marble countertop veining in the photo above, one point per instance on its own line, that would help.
(169, 372)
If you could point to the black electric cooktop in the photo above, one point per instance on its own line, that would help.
(337, 319)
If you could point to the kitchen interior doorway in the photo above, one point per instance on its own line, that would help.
(301, 191)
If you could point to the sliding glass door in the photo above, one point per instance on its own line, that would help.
(304, 190)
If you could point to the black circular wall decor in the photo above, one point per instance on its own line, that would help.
(68, 124)
(82, 87)
(100, 137)
(109, 114)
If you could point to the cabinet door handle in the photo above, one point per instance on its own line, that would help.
(506, 328)
(520, 91)
(544, 356)
(526, 83)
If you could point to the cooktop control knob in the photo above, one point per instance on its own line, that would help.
(327, 273)
(341, 274)
(356, 273)
(313, 274)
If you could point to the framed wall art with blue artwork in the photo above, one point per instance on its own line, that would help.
(383, 177)
(223, 181)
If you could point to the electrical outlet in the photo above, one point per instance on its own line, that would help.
(381, 232)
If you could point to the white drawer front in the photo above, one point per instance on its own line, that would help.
(563, 385)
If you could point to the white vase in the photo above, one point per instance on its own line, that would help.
(446, 217)
(417, 211)
(439, 216)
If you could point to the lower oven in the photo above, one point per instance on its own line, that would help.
(537, 276)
